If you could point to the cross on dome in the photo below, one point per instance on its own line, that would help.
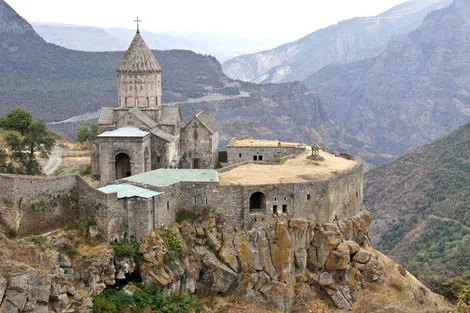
(137, 20)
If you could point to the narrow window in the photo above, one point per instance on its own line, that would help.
(275, 199)
(255, 158)
(195, 200)
(239, 155)
(285, 198)
(158, 159)
(308, 197)
(274, 209)
(284, 208)
(168, 205)
(260, 157)
(206, 200)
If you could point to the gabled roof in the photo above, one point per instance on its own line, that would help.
(128, 191)
(207, 122)
(170, 115)
(162, 134)
(144, 118)
(167, 177)
(127, 131)
(139, 58)
(106, 116)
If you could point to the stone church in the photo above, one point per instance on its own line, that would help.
(143, 134)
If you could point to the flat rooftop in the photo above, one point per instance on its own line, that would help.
(128, 191)
(299, 169)
(166, 177)
(257, 143)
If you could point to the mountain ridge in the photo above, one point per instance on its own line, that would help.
(348, 41)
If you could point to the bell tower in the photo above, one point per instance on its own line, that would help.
(139, 77)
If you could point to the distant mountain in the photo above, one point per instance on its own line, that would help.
(95, 39)
(421, 205)
(348, 41)
(55, 83)
(414, 92)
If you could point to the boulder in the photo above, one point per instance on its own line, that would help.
(339, 259)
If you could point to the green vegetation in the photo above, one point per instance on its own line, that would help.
(36, 239)
(80, 225)
(125, 248)
(68, 250)
(87, 133)
(174, 242)
(429, 189)
(147, 299)
(26, 138)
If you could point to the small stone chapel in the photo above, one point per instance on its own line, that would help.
(143, 134)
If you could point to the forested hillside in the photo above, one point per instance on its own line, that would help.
(421, 205)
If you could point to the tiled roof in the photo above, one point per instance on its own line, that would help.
(127, 131)
(167, 177)
(170, 115)
(139, 58)
(106, 116)
(128, 191)
(162, 134)
(208, 122)
(144, 118)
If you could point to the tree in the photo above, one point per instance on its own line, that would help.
(26, 140)
(87, 133)
(18, 120)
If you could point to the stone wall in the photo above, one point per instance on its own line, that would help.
(34, 205)
(142, 91)
(267, 154)
(198, 143)
(109, 147)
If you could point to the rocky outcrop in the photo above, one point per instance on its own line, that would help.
(414, 92)
(348, 41)
(273, 264)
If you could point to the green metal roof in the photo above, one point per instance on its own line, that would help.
(128, 191)
(167, 177)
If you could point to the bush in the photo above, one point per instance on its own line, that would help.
(125, 248)
(80, 225)
(68, 250)
(36, 239)
(146, 299)
(174, 242)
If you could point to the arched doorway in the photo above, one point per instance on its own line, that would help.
(258, 202)
(123, 165)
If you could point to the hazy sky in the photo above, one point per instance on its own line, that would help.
(286, 18)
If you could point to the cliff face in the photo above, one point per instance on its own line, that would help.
(289, 265)
(412, 93)
(348, 41)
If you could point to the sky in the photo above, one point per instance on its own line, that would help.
(272, 18)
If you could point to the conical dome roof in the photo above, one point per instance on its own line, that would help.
(139, 58)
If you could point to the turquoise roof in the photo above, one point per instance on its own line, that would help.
(167, 177)
(128, 191)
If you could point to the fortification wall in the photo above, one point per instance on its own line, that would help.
(34, 205)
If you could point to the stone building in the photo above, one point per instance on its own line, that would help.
(141, 133)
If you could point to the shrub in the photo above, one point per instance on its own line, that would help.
(36, 239)
(174, 242)
(186, 215)
(80, 225)
(147, 299)
(125, 247)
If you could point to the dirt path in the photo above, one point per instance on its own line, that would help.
(449, 220)
(54, 161)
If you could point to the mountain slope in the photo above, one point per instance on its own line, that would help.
(345, 42)
(414, 92)
(54, 83)
(421, 207)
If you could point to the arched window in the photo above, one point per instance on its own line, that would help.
(258, 202)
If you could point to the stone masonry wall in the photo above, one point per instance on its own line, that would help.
(33, 205)
(268, 154)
